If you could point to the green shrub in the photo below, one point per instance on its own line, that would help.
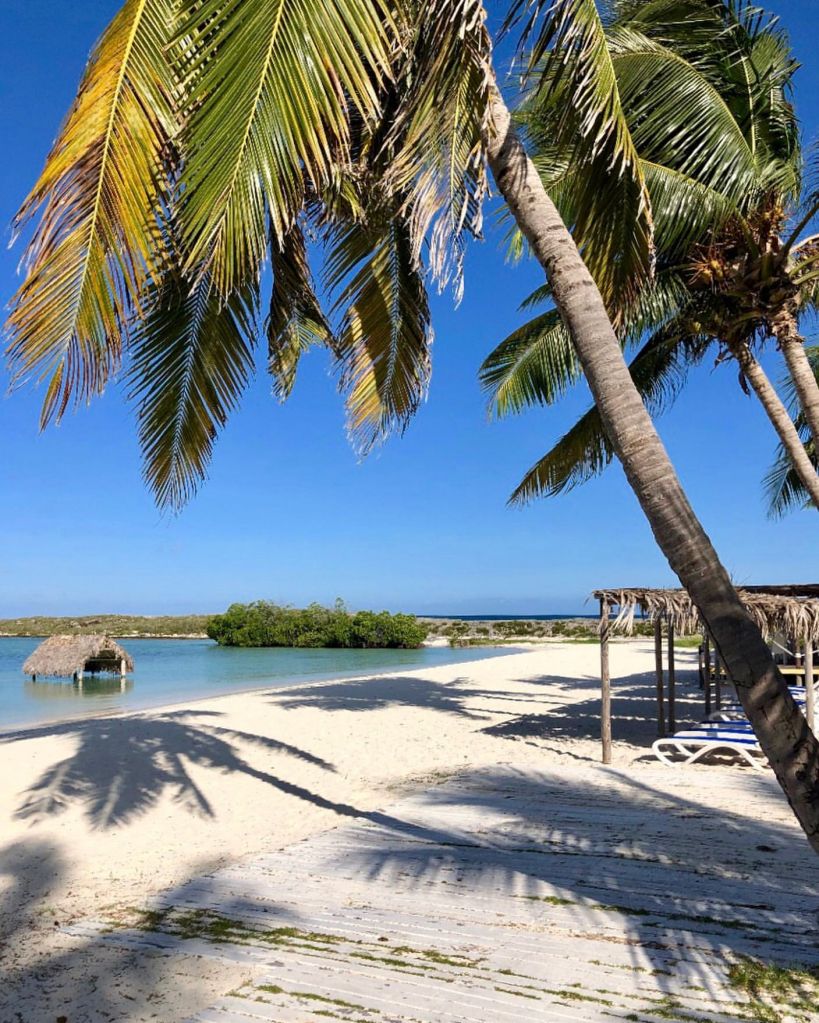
(262, 623)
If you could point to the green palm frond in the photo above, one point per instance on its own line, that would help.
(579, 96)
(680, 119)
(535, 365)
(383, 342)
(684, 209)
(192, 359)
(784, 490)
(295, 321)
(658, 371)
(96, 243)
(270, 86)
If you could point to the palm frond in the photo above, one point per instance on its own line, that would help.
(579, 94)
(192, 359)
(784, 490)
(535, 365)
(383, 343)
(98, 199)
(679, 118)
(270, 85)
(434, 143)
(295, 321)
(658, 371)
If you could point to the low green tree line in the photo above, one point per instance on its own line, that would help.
(262, 623)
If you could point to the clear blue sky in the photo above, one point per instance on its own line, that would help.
(289, 513)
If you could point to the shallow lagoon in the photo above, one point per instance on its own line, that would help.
(174, 670)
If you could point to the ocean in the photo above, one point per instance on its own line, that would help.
(174, 670)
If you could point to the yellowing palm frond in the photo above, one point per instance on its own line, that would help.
(434, 145)
(295, 321)
(98, 197)
(383, 344)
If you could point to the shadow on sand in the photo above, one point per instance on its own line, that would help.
(121, 767)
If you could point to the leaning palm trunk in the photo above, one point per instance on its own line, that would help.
(781, 421)
(804, 382)
(781, 729)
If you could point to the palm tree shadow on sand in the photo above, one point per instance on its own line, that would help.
(121, 767)
(688, 884)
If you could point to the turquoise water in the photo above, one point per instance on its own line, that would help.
(173, 670)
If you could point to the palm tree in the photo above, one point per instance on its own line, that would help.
(208, 134)
(728, 274)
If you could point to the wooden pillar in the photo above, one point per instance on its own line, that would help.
(810, 691)
(605, 683)
(707, 645)
(122, 667)
(717, 682)
(658, 668)
(672, 680)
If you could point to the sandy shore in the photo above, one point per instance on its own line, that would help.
(107, 811)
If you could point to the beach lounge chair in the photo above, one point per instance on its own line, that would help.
(688, 746)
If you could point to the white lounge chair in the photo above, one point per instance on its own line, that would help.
(687, 747)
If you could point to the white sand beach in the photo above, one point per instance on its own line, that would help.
(99, 815)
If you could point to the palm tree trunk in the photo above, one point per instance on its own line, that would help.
(804, 380)
(781, 420)
(781, 729)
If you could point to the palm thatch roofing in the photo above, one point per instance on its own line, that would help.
(70, 655)
(786, 610)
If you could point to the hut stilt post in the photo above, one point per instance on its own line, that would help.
(810, 690)
(605, 683)
(672, 680)
(658, 668)
(706, 642)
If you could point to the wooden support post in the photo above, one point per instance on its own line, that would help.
(707, 643)
(122, 667)
(717, 680)
(810, 690)
(605, 683)
(658, 668)
(672, 681)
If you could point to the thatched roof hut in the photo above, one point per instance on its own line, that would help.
(787, 611)
(74, 656)
(791, 611)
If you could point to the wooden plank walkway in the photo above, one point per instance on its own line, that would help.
(579, 896)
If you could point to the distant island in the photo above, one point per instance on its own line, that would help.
(453, 631)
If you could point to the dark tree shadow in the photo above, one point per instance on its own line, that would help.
(121, 767)
(379, 693)
(91, 979)
(691, 884)
(634, 709)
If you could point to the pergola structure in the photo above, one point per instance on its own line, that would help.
(790, 611)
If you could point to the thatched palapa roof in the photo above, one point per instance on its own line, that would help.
(69, 655)
(789, 610)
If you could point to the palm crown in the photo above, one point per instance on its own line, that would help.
(210, 138)
(730, 269)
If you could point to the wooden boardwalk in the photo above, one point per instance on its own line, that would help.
(581, 896)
